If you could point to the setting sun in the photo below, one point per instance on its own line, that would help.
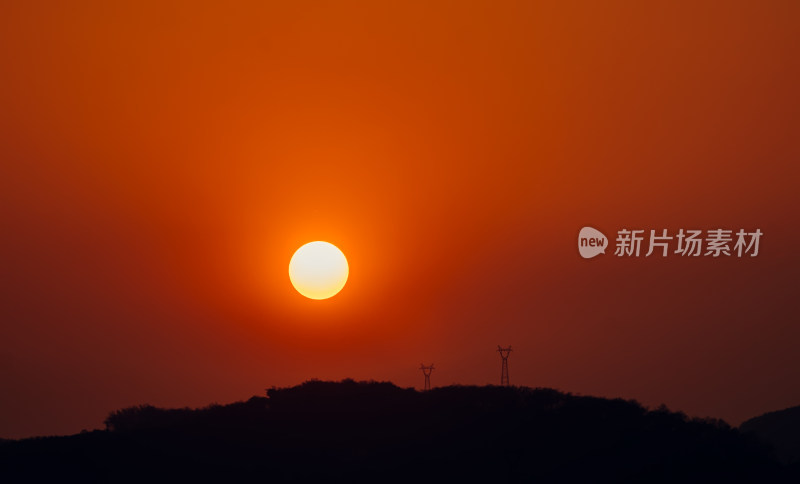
(318, 270)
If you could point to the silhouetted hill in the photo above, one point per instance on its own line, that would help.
(370, 431)
(780, 429)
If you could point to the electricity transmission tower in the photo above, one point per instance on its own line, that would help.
(504, 352)
(426, 370)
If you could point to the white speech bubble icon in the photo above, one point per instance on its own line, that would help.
(591, 242)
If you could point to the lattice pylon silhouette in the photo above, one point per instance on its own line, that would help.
(426, 370)
(504, 352)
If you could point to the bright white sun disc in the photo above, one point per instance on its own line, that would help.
(318, 270)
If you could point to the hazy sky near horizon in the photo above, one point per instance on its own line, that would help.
(161, 161)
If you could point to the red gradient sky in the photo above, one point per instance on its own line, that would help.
(161, 163)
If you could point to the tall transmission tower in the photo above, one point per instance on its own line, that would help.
(504, 352)
(426, 370)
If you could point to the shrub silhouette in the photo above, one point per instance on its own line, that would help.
(375, 431)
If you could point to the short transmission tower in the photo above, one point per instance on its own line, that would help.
(504, 352)
(426, 370)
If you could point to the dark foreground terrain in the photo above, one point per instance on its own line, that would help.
(780, 429)
(376, 432)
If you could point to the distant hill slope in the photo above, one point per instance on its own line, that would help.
(781, 429)
(376, 432)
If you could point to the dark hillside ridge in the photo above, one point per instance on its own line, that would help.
(377, 432)
(780, 429)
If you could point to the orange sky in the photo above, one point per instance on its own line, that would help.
(160, 165)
